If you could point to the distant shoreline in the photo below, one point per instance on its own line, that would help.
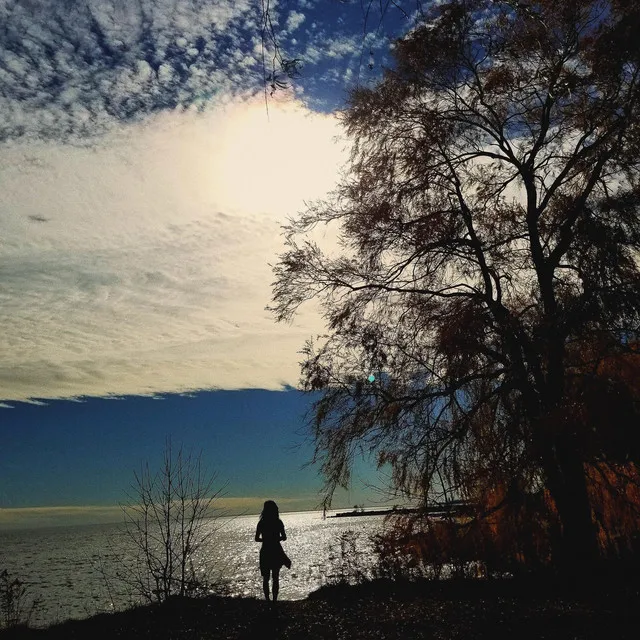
(456, 507)
(376, 512)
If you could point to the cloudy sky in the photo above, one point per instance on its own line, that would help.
(143, 182)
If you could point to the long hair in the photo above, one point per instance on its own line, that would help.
(270, 511)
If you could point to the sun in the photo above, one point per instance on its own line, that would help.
(274, 161)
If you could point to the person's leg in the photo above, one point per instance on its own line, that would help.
(265, 584)
(276, 583)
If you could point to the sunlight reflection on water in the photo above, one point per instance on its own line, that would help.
(61, 566)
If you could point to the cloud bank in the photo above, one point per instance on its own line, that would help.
(38, 517)
(143, 187)
(141, 265)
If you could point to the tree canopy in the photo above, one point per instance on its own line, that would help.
(488, 273)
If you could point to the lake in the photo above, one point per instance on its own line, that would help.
(65, 566)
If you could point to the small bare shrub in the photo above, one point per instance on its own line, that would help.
(16, 605)
(346, 559)
(169, 520)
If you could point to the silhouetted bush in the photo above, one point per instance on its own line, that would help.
(16, 605)
(414, 547)
(346, 559)
(513, 533)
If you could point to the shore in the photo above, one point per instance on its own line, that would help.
(454, 508)
(380, 609)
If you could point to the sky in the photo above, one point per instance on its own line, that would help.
(144, 179)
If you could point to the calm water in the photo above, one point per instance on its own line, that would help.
(61, 565)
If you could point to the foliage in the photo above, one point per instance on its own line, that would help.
(346, 563)
(489, 268)
(436, 549)
(16, 605)
(513, 536)
(169, 521)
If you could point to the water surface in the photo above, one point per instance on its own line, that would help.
(66, 566)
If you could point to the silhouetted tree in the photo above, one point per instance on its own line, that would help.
(168, 522)
(490, 231)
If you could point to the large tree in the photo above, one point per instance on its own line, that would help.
(489, 262)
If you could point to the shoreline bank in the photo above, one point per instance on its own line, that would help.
(381, 609)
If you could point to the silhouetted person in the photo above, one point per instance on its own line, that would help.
(270, 531)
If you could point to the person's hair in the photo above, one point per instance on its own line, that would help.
(269, 511)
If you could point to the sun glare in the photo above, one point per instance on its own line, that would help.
(273, 162)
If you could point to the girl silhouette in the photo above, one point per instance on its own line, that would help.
(270, 531)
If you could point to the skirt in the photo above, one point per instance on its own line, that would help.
(272, 558)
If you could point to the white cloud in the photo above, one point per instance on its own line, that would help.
(342, 46)
(140, 264)
(73, 74)
(294, 20)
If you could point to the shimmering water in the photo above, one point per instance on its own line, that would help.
(62, 566)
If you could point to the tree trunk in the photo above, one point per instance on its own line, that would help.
(579, 552)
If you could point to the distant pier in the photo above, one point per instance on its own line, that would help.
(455, 508)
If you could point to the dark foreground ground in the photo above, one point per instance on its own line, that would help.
(465, 610)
